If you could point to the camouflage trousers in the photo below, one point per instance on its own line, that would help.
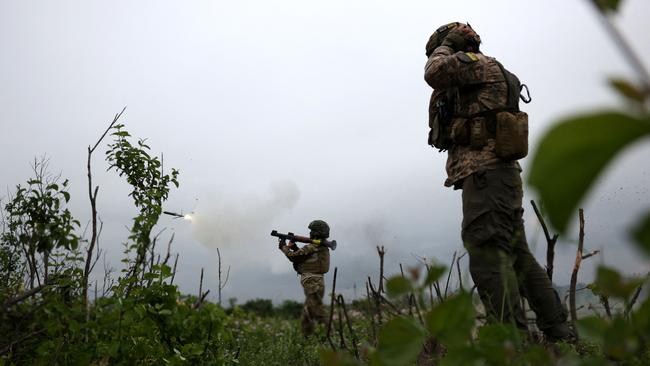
(500, 261)
(313, 310)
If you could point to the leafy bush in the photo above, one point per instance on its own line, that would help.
(260, 307)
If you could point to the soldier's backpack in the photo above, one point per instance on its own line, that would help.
(511, 135)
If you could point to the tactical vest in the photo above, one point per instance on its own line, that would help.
(507, 125)
(317, 262)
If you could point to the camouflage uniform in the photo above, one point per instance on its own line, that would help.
(501, 263)
(311, 262)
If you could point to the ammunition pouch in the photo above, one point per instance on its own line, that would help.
(508, 128)
(473, 131)
(460, 131)
(478, 132)
(440, 123)
(511, 135)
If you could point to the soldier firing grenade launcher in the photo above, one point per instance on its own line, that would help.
(303, 239)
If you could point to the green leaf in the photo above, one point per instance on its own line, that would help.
(433, 274)
(196, 349)
(641, 318)
(536, 355)
(452, 320)
(463, 356)
(607, 5)
(397, 286)
(592, 327)
(620, 341)
(641, 234)
(496, 335)
(572, 155)
(333, 358)
(611, 283)
(66, 196)
(628, 90)
(400, 342)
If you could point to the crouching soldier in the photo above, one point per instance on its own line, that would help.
(311, 262)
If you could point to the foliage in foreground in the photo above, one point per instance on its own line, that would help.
(141, 318)
(138, 318)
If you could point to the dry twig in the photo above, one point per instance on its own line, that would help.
(92, 195)
(576, 268)
(329, 322)
(551, 241)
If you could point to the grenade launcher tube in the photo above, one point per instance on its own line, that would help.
(303, 239)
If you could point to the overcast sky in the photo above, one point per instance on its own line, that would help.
(280, 112)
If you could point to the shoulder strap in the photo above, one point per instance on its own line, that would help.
(513, 97)
(512, 85)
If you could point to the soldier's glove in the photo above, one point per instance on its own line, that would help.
(456, 39)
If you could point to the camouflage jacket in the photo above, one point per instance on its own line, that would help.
(479, 86)
(310, 258)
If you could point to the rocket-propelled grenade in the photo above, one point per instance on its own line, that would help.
(173, 214)
(304, 239)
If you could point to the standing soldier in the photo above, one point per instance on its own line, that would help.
(311, 262)
(474, 115)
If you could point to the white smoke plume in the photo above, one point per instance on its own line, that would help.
(226, 221)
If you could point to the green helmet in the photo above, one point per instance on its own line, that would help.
(320, 229)
(472, 39)
(438, 36)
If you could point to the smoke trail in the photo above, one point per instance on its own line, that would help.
(240, 221)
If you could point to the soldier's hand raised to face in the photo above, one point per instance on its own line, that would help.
(456, 40)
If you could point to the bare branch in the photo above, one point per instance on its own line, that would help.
(551, 241)
(219, 268)
(117, 116)
(174, 270)
(460, 277)
(590, 254)
(576, 268)
(201, 283)
(92, 196)
(372, 317)
(329, 322)
(27, 294)
(453, 259)
(200, 300)
(375, 296)
(605, 301)
(169, 247)
(635, 297)
(381, 253)
(341, 303)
